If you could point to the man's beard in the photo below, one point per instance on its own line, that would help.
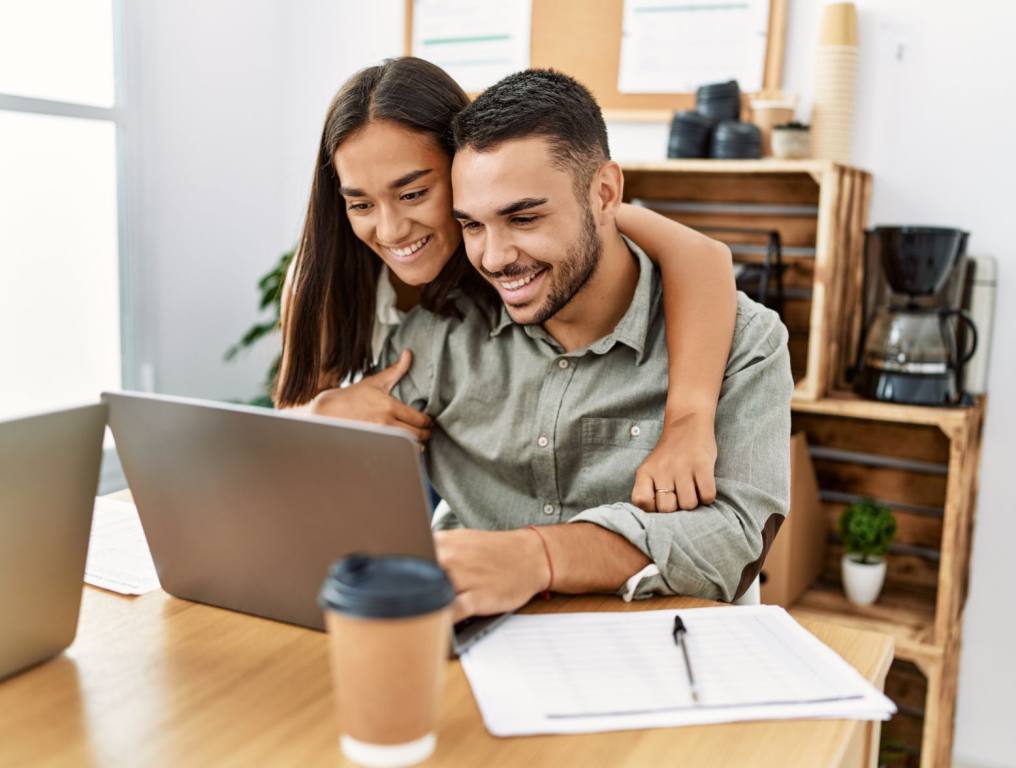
(574, 272)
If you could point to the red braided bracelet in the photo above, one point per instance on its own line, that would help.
(550, 563)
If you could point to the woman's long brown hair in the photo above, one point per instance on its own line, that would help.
(328, 321)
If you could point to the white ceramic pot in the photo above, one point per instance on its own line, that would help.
(862, 581)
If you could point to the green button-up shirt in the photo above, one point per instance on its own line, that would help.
(526, 433)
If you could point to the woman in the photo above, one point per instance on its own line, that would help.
(373, 251)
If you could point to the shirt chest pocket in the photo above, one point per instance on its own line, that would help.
(610, 433)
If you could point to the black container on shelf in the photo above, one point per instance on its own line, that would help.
(733, 140)
(689, 134)
(918, 260)
(720, 101)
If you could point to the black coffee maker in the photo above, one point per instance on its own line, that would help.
(916, 338)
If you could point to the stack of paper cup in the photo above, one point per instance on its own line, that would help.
(835, 79)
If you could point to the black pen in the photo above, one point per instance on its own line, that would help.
(680, 632)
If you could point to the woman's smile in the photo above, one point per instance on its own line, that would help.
(409, 252)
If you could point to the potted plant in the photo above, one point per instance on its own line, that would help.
(270, 289)
(867, 529)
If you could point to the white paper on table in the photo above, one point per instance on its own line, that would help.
(674, 47)
(477, 42)
(586, 672)
(118, 554)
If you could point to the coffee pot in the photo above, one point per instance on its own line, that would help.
(918, 339)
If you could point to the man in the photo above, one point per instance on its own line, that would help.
(544, 411)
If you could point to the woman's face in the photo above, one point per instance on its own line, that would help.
(396, 184)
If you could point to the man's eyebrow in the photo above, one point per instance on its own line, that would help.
(408, 178)
(521, 205)
(457, 214)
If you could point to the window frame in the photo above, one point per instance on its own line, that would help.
(132, 375)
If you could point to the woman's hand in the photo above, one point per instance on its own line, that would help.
(679, 471)
(370, 400)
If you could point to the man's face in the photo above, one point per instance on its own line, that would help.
(523, 228)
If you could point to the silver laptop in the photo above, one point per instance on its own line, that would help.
(246, 508)
(49, 471)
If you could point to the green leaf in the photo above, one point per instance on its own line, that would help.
(867, 528)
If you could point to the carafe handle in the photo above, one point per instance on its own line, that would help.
(963, 317)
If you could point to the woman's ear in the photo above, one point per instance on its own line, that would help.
(608, 188)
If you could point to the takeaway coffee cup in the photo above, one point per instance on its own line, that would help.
(389, 623)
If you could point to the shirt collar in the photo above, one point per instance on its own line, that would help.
(633, 326)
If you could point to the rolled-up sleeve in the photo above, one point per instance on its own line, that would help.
(717, 550)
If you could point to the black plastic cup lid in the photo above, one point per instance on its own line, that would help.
(718, 89)
(385, 587)
(689, 117)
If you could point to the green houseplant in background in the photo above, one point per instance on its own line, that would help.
(270, 289)
(867, 530)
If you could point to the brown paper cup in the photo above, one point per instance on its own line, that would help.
(389, 625)
(388, 676)
(839, 24)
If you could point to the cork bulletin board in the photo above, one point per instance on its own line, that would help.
(583, 39)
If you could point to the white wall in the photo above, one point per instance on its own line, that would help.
(228, 100)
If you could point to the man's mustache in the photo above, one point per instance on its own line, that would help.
(514, 270)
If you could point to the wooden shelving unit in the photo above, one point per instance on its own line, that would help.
(819, 208)
(923, 462)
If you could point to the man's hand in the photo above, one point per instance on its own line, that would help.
(370, 400)
(492, 571)
(681, 465)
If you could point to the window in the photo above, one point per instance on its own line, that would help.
(60, 222)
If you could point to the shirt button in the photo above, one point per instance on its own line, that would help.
(548, 509)
(542, 441)
(635, 431)
(562, 363)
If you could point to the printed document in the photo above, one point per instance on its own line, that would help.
(585, 672)
(674, 47)
(477, 42)
(118, 555)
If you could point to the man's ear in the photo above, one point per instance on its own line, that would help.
(608, 189)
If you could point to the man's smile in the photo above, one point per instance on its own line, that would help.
(520, 289)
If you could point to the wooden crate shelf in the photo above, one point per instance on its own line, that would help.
(820, 209)
(923, 462)
(907, 617)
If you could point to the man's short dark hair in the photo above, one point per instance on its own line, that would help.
(544, 103)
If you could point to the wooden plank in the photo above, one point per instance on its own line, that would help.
(824, 275)
(847, 404)
(799, 231)
(796, 315)
(941, 711)
(718, 187)
(906, 730)
(911, 530)
(775, 44)
(907, 686)
(768, 166)
(850, 323)
(967, 526)
(837, 272)
(955, 519)
(886, 483)
(905, 615)
(797, 344)
(904, 571)
(918, 442)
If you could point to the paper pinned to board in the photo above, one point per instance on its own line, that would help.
(118, 556)
(477, 42)
(674, 47)
(587, 672)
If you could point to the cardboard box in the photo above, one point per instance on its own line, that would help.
(798, 554)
